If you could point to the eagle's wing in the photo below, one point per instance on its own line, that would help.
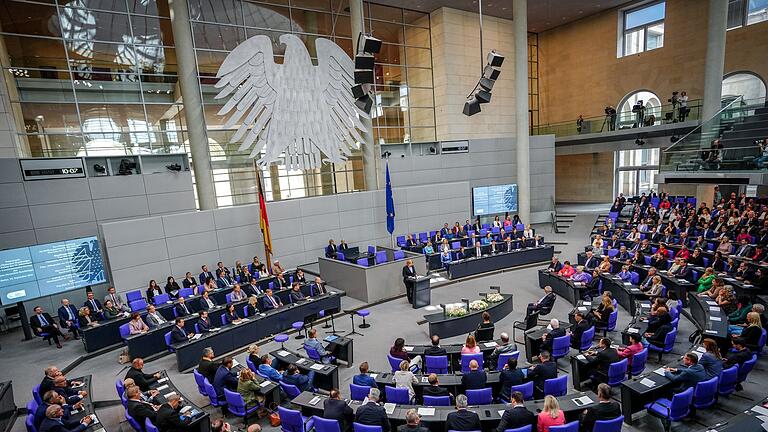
(336, 71)
(247, 76)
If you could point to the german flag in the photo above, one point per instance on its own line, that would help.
(263, 219)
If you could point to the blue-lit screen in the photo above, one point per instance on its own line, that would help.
(52, 268)
(494, 199)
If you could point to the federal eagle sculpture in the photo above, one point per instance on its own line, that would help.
(297, 114)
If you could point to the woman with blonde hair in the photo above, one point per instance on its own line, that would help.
(605, 265)
(470, 346)
(597, 245)
(705, 281)
(253, 354)
(248, 388)
(751, 334)
(252, 307)
(551, 415)
(404, 378)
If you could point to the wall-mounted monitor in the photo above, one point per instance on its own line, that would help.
(494, 199)
(52, 268)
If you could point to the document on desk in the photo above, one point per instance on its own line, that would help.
(162, 380)
(633, 330)
(648, 383)
(314, 400)
(162, 387)
(714, 318)
(659, 371)
(584, 400)
(197, 336)
(317, 366)
(283, 353)
(714, 309)
(265, 383)
(501, 413)
(627, 283)
(490, 344)
(711, 303)
(167, 395)
(581, 309)
(425, 379)
(235, 363)
(581, 357)
(389, 408)
(426, 411)
(408, 348)
(701, 349)
(760, 410)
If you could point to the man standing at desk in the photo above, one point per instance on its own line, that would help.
(409, 274)
(461, 419)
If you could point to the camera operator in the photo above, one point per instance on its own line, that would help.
(683, 109)
(762, 158)
(610, 117)
(674, 100)
(639, 110)
(579, 123)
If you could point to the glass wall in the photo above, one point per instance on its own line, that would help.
(97, 77)
(636, 171)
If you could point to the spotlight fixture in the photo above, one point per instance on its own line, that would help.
(99, 169)
(432, 150)
(495, 59)
(362, 91)
(173, 167)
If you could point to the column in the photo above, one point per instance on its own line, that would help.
(193, 104)
(520, 24)
(367, 146)
(715, 60)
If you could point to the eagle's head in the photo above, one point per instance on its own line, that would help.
(295, 50)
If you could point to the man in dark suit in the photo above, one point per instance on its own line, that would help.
(541, 372)
(204, 324)
(373, 414)
(204, 275)
(207, 366)
(42, 322)
(269, 301)
(137, 408)
(409, 273)
(52, 398)
(740, 355)
(544, 304)
(53, 422)
(178, 334)
(434, 388)
(475, 379)
(516, 416)
(68, 317)
(477, 251)
(318, 287)
(336, 409)
(62, 387)
(224, 378)
(688, 376)
(599, 361)
(252, 288)
(330, 250)
(182, 309)
(606, 409)
(168, 418)
(461, 419)
(142, 380)
(578, 329)
(296, 295)
(549, 337)
(94, 305)
(435, 349)
(683, 272)
(412, 422)
(591, 261)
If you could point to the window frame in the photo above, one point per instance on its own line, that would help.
(744, 4)
(624, 31)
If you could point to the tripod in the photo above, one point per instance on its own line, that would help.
(605, 122)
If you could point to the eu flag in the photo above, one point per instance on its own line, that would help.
(390, 206)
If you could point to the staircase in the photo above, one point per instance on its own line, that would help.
(561, 221)
(738, 126)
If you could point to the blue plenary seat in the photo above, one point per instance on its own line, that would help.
(466, 358)
(705, 393)
(556, 386)
(638, 362)
(358, 392)
(526, 389)
(132, 295)
(436, 364)
(398, 395)
(671, 410)
(568, 427)
(437, 400)
(613, 425)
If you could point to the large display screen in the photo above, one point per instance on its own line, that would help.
(494, 199)
(51, 268)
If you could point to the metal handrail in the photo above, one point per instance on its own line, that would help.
(699, 127)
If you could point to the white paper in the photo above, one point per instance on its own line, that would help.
(373, 375)
(314, 400)
(167, 395)
(659, 371)
(581, 309)
(760, 410)
(408, 348)
(197, 336)
(627, 283)
(648, 383)
(426, 411)
(584, 400)
(714, 318)
(161, 388)
(581, 357)
(283, 353)
(633, 330)
(714, 309)
(501, 412)
(710, 332)
(711, 303)
(425, 379)
(701, 349)
(235, 363)
(389, 408)
(162, 380)
(265, 383)
(490, 344)
(317, 366)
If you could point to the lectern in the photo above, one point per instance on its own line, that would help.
(421, 295)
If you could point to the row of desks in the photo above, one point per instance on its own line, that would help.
(107, 333)
(153, 341)
(88, 406)
(252, 329)
(434, 417)
(200, 420)
(499, 261)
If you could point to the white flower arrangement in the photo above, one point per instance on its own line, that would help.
(455, 310)
(478, 305)
(494, 297)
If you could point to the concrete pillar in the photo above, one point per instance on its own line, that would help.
(193, 104)
(368, 146)
(715, 60)
(520, 24)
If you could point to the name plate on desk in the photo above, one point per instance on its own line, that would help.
(648, 383)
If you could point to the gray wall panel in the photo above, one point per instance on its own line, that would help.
(191, 244)
(66, 232)
(167, 182)
(136, 254)
(171, 202)
(311, 207)
(18, 239)
(134, 231)
(50, 215)
(13, 195)
(10, 170)
(59, 191)
(129, 279)
(188, 223)
(353, 201)
(119, 208)
(232, 237)
(116, 186)
(237, 216)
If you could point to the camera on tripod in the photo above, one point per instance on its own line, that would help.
(673, 99)
(126, 167)
(609, 110)
(638, 106)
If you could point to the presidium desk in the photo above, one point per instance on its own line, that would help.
(499, 261)
(372, 283)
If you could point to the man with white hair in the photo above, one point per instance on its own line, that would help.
(548, 337)
(462, 419)
(503, 348)
(373, 414)
(168, 417)
(412, 420)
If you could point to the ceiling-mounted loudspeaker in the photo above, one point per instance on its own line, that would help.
(495, 59)
(371, 44)
(491, 73)
(486, 84)
(471, 107)
(363, 76)
(359, 90)
(483, 96)
(365, 103)
(364, 61)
